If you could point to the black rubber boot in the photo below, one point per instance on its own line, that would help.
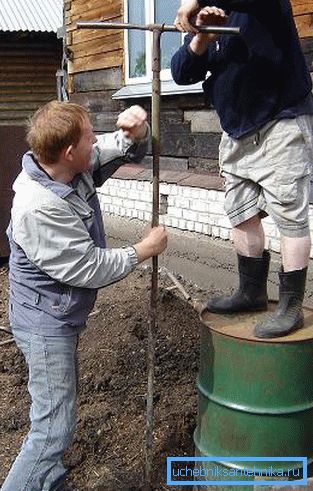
(289, 315)
(251, 295)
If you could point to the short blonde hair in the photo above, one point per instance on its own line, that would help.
(53, 127)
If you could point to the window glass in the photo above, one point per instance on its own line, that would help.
(136, 39)
(165, 12)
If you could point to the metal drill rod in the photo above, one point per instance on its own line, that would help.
(157, 30)
(153, 318)
(154, 27)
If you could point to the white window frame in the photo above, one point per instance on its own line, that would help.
(149, 18)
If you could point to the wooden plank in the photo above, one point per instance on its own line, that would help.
(71, 26)
(108, 79)
(18, 106)
(21, 46)
(71, 84)
(14, 123)
(86, 5)
(94, 49)
(7, 97)
(97, 102)
(30, 68)
(21, 90)
(98, 46)
(32, 83)
(84, 35)
(12, 54)
(27, 78)
(304, 25)
(25, 84)
(15, 115)
(302, 6)
(96, 62)
(98, 14)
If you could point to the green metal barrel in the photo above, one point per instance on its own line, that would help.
(255, 396)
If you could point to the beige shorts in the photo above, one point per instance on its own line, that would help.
(268, 173)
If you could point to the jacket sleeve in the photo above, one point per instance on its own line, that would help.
(113, 150)
(57, 242)
(187, 67)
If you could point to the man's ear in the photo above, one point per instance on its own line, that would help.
(67, 153)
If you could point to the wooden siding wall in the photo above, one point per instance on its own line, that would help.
(27, 75)
(93, 49)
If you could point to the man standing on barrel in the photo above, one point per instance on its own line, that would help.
(261, 89)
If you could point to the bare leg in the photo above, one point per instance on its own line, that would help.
(249, 238)
(295, 252)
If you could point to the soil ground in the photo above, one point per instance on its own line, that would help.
(108, 448)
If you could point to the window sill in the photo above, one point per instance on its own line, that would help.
(168, 87)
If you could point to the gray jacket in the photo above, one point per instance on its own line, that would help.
(58, 252)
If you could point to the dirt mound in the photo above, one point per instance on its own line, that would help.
(108, 448)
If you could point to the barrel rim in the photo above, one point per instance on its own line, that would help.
(224, 325)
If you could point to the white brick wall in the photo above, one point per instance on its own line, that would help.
(193, 209)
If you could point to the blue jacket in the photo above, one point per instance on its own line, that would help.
(256, 77)
(58, 251)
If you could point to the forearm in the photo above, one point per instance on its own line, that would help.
(144, 250)
(199, 44)
(115, 149)
(99, 268)
(56, 241)
(187, 66)
(111, 146)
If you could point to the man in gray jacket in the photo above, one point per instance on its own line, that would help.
(59, 259)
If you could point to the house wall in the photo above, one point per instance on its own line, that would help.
(28, 62)
(93, 49)
(28, 65)
(189, 130)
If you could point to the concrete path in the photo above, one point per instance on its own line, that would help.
(210, 264)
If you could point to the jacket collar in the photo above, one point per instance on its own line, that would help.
(35, 172)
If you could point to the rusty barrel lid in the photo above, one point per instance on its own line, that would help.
(241, 326)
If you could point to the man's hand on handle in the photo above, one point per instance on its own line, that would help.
(153, 244)
(184, 16)
(190, 16)
(208, 16)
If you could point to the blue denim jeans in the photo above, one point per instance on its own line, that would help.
(52, 385)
